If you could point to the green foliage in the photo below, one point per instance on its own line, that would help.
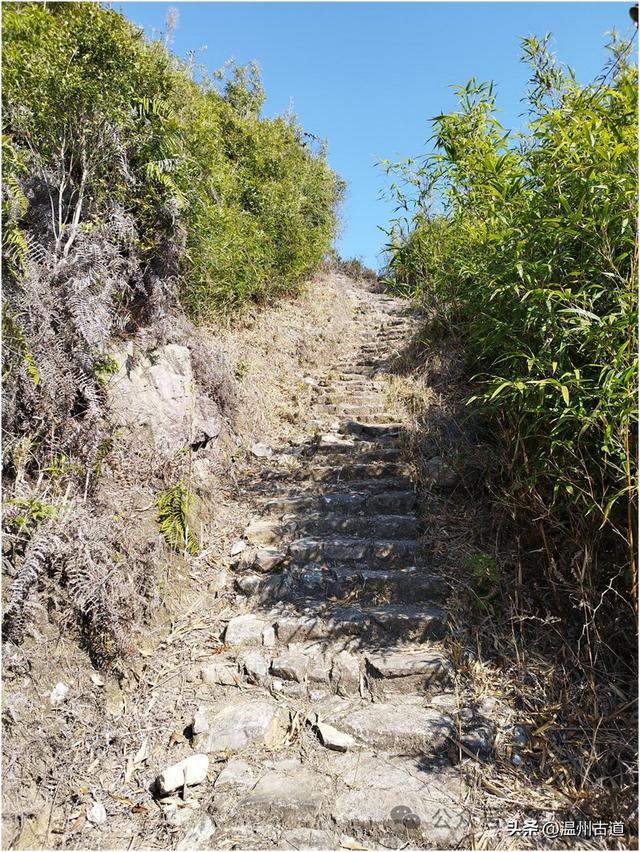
(485, 573)
(355, 268)
(31, 512)
(238, 207)
(173, 510)
(526, 244)
(105, 367)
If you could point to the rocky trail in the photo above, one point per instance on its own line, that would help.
(309, 653)
(340, 637)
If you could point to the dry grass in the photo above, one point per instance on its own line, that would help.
(274, 350)
(59, 760)
(549, 668)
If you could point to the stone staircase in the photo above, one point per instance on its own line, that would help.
(339, 630)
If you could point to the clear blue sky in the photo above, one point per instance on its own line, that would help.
(368, 76)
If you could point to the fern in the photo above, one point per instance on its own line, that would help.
(173, 509)
(39, 551)
(11, 330)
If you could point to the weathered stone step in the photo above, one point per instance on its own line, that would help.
(391, 671)
(384, 344)
(332, 379)
(342, 472)
(352, 397)
(373, 504)
(411, 584)
(401, 620)
(414, 729)
(368, 414)
(356, 486)
(363, 451)
(398, 802)
(389, 526)
(356, 427)
(367, 470)
(379, 551)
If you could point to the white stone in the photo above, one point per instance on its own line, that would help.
(58, 693)
(97, 814)
(333, 738)
(269, 637)
(261, 451)
(192, 770)
(237, 547)
(245, 630)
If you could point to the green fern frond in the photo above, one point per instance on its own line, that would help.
(173, 510)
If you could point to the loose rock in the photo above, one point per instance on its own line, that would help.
(261, 451)
(267, 558)
(245, 630)
(334, 739)
(239, 724)
(97, 814)
(237, 547)
(58, 694)
(192, 770)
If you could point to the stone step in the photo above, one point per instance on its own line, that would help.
(407, 621)
(356, 486)
(389, 526)
(398, 802)
(368, 414)
(381, 450)
(375, 552)
(332, 379)
(383, 345)
(342, 472)
(414, 730)
(374, 504)
(392, 671)
(360, 471)
(356, 427)
(352, 398)
(411, 584)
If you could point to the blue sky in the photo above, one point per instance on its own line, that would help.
(368, 76)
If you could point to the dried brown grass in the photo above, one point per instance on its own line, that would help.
(515, 636)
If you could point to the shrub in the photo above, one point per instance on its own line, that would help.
(526, 243)
(129, 188)
(130, 194)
